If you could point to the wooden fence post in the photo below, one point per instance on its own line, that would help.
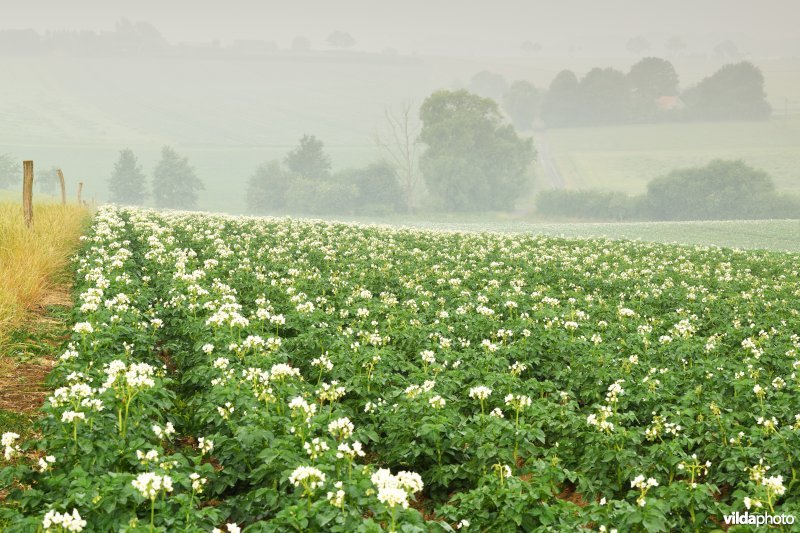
(27, 192)
(80, 191)
(63, 187)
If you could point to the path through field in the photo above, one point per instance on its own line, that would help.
(547, 161)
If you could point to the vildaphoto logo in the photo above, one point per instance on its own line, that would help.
(764, 519)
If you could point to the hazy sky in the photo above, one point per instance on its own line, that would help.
(461, 27)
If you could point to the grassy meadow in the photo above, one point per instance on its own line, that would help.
(625, 158)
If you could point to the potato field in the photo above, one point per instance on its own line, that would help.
(258, 375)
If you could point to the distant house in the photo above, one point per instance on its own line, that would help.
(669, 103)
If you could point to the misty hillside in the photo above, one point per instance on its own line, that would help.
(229, 115)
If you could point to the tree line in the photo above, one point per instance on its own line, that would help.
(649, 92)
(719, 190)
(473, 160)
(461, 155)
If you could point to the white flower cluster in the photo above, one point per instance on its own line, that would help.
(197, 482)
(769, 424)
(337, 498)
(412, 391)
(323, 362)
(437, 402)
(480, 392)
(315, 448)
(341, 428)
(615, 390)
(307, 475)
(149, 457)
(76, 394)
(45, 462)
(205, 445)
(518, 401)
(489, 345)
(70, 353)
(136, 376)
(428, 357)
(64, 522)
(351, 452)
(774, 484)
(9, 448)
(84, 328)
(600, 420)
(166, 432)
(300, 407)
(330, 392)
(283, 371)
(394, 490)
(517, 368)
(71, 416)
(639, 482)
(150, 485)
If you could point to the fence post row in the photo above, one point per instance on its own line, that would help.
(27, 192)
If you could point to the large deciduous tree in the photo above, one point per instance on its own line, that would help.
(560, 104)
(652, 77)
(604, 97)
(734, 92)
(473, 161)
(648, 80)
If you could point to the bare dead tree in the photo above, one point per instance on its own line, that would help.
(399, 142)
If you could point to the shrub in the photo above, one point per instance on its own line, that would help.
(266, 189)
(378, 189)
(722, 190)
(308, 196)
(588, 204)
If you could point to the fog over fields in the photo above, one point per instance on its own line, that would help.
(230, 88)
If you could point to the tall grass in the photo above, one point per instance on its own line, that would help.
(33, 261)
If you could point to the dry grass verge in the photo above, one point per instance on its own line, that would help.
(33, 261)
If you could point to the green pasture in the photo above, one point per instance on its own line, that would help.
(626, 157)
